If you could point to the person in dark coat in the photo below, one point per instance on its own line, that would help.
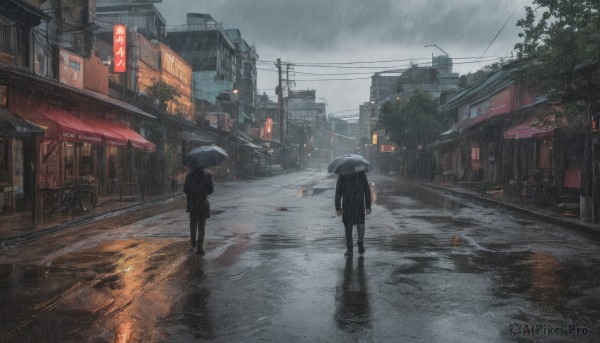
(352, 201)
(198, 185)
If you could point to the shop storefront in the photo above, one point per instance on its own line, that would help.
(18, 141)
(530, 149)
(77, 146)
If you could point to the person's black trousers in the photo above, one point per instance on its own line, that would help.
(360, 229)
(197, 224)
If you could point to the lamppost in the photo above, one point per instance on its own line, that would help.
(445, 53)
(373, 133)
(323, 144)
(237, 104)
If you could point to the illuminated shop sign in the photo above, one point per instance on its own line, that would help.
(120, 48)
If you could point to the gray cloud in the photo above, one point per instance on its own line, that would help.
(318, 24)
(358, 30)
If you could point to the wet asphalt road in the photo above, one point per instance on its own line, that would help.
(435, 270)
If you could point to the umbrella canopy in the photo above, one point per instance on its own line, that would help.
(349, 164)
(205, 156)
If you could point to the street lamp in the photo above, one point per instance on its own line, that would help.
(445, 53)
(235, 92)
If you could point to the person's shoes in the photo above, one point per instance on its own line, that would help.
(200, 252)
(361, 248)
(348, 253)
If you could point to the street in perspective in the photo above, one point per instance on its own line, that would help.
(299, 171)
(436, 269)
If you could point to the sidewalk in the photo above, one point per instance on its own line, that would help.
(505, 201)
(18, 228)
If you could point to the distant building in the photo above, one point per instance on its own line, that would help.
(140, 16)
(302, 108)
(215, 61)
(211, 53)
(399, 85)
(246, 74)
(268, 109)
(437, 79)
(366, 112)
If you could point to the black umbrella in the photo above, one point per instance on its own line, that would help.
(205, 156)
(349, 164)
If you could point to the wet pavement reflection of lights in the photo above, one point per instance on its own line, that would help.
(548, 285)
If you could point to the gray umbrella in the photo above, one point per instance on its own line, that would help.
(349, 164)
(205, 156)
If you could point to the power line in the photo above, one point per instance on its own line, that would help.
(348, 79)
(497, 34)
(367, 62)
(372, 72)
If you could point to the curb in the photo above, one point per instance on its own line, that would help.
(30, 236)
(574, 224)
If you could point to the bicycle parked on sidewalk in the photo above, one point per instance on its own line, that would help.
(515, 187)
(538, 189)
(78, 194)
(547, 194)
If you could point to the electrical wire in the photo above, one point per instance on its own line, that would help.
(496, 36)
(364, 62)
(403, 67)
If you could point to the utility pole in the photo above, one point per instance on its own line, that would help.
(287, 78)
(280, 103)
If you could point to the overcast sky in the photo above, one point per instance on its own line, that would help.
(332, 31)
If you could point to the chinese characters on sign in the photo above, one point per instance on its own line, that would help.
(120, 48)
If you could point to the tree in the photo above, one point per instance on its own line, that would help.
(563, 39)
(416, 122)
(564, 43)
(161, 91)
(164, 160)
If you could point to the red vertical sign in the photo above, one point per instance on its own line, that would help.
(120, 48)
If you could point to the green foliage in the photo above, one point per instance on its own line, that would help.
(417, 121)
(563, 39)
(162, 92)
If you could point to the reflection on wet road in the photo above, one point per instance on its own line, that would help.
(435, 270)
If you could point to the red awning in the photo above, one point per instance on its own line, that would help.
(111, 138)
(525, 130)
(62, 125)
(121, 135)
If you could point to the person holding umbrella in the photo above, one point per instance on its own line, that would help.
(352, 196)
(198, 186)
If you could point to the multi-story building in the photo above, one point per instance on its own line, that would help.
(221, 89)
(267, 112)
(496, 136)
(399, 85)
(140, 16)
(343, 136)
(437, 79)
(302, 108)
(149, 60)
(54, 92)
(213, 56)
(246, 77)
(366, 113)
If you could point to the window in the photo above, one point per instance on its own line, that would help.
(475, 159)
(545, 154)
(7, 37)
(3, 96)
